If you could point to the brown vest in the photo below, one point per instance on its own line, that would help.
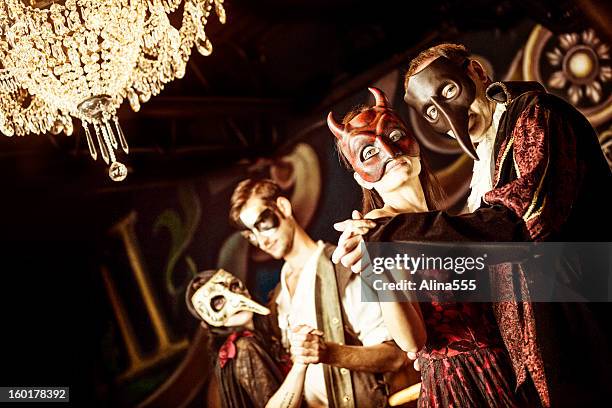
(345, 388)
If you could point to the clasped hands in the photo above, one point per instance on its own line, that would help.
(307, 345)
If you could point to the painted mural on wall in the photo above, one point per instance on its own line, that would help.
(574, 66)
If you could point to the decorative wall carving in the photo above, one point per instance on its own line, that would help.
(575, 66)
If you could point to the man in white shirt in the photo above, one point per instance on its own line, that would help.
(321, 317)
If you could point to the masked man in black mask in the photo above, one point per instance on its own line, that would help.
(538, 176)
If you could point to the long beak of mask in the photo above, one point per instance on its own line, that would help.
(215, 303)
(424, 89)
(457, 120)
(244, 304)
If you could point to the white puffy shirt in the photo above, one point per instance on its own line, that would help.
(484, 169)
(365, 318)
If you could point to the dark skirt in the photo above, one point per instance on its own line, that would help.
(481, 377)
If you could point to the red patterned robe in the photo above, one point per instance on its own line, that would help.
(551, 183)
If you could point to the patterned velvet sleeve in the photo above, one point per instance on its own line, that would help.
(256, 371)
(540, 157)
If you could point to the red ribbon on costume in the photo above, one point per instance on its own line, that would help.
(285, 364)
(228, 349)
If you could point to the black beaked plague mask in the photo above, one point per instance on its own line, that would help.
(442, 93)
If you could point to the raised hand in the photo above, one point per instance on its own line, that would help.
(350, 249)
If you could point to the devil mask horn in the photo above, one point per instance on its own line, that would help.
(380, 98)
(336, 128)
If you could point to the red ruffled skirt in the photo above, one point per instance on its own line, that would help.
(481, 377)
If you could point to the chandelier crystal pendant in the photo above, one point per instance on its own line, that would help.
(81, 58)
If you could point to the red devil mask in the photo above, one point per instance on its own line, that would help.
(373, 138)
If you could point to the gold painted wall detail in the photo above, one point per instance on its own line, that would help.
(167, 348)
(574, 66)
(605, 140)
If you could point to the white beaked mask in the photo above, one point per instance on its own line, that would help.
(223, 296)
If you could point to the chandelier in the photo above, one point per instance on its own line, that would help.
(79, 59)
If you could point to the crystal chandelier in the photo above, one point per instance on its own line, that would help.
(81, 58)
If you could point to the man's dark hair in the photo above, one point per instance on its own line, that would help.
(265, 189)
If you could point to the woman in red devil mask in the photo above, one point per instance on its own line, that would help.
(463, 362)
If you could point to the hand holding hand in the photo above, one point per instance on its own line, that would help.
(307, 345)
